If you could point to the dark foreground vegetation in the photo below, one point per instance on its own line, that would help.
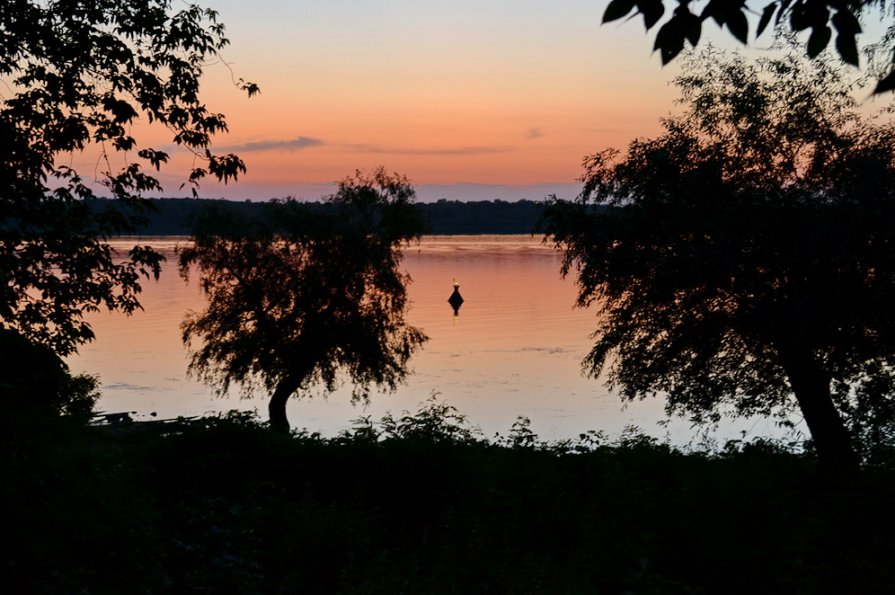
(420, 504)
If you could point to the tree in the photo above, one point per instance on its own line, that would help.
(743, 260)
(38, 383)
(80, 74)
(305, 293)
(820, 17)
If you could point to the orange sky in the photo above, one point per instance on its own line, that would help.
(510, 93)
(469, 99)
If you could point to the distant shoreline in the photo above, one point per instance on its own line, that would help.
(172, 216)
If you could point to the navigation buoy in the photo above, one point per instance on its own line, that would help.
(456, 300)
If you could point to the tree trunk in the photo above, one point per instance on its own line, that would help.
(811, 386)
(277, 406)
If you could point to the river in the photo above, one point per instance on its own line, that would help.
(514, 349)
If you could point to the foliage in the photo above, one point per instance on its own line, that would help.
(820, 17)
(745, 255)
(80, 75)
(435, 421)
(36, 382)
(223, 505)
(869, 410)
(304, 294)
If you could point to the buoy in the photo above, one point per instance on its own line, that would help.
(456, 300)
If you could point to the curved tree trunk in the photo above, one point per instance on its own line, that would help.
(811, 386)
(277, 406)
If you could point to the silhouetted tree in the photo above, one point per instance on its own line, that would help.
(304, 294)
(745, 256)
(820, 17)
(37, 382)
(79, 74)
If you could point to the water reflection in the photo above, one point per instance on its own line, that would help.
(517, 353)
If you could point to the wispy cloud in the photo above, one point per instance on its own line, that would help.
(436, 151)
(292, 144)
(533, 133)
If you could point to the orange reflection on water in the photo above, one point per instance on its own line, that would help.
(514, 348)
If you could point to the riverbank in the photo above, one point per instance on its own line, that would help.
(419, 504)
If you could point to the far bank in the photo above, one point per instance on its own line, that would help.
(173, 216)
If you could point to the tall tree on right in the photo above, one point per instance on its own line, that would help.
(744, 260)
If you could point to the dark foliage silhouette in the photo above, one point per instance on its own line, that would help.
(172, 216)
(81, 75)
(303, 294)
(37, 382)
(822, 18)
(743, 259)
(421, 503)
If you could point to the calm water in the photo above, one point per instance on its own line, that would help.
(515, 349)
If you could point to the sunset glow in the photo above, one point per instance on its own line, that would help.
(446, 93)
(468, 99)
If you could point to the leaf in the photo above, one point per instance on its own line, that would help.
(885, 84)
(784, 5)
(693, 30)
(818, 40)
(618, 9)
(715, 9)
(847, 48)
(846, 22)
(652, 11)
(799, 19)
(156, 158)
(738, 25)
(847, 27)
(819, 15)
(766, 15)
(251, 89)
(670, 40)
(121, 110)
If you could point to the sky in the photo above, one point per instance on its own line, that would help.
(470, 99)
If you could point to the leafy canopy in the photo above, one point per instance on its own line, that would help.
(78, 75)
(747, 248)
(303, 294)
(825, 20)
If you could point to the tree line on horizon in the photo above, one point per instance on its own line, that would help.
(175, 216)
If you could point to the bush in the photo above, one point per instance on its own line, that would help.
(34, 381)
